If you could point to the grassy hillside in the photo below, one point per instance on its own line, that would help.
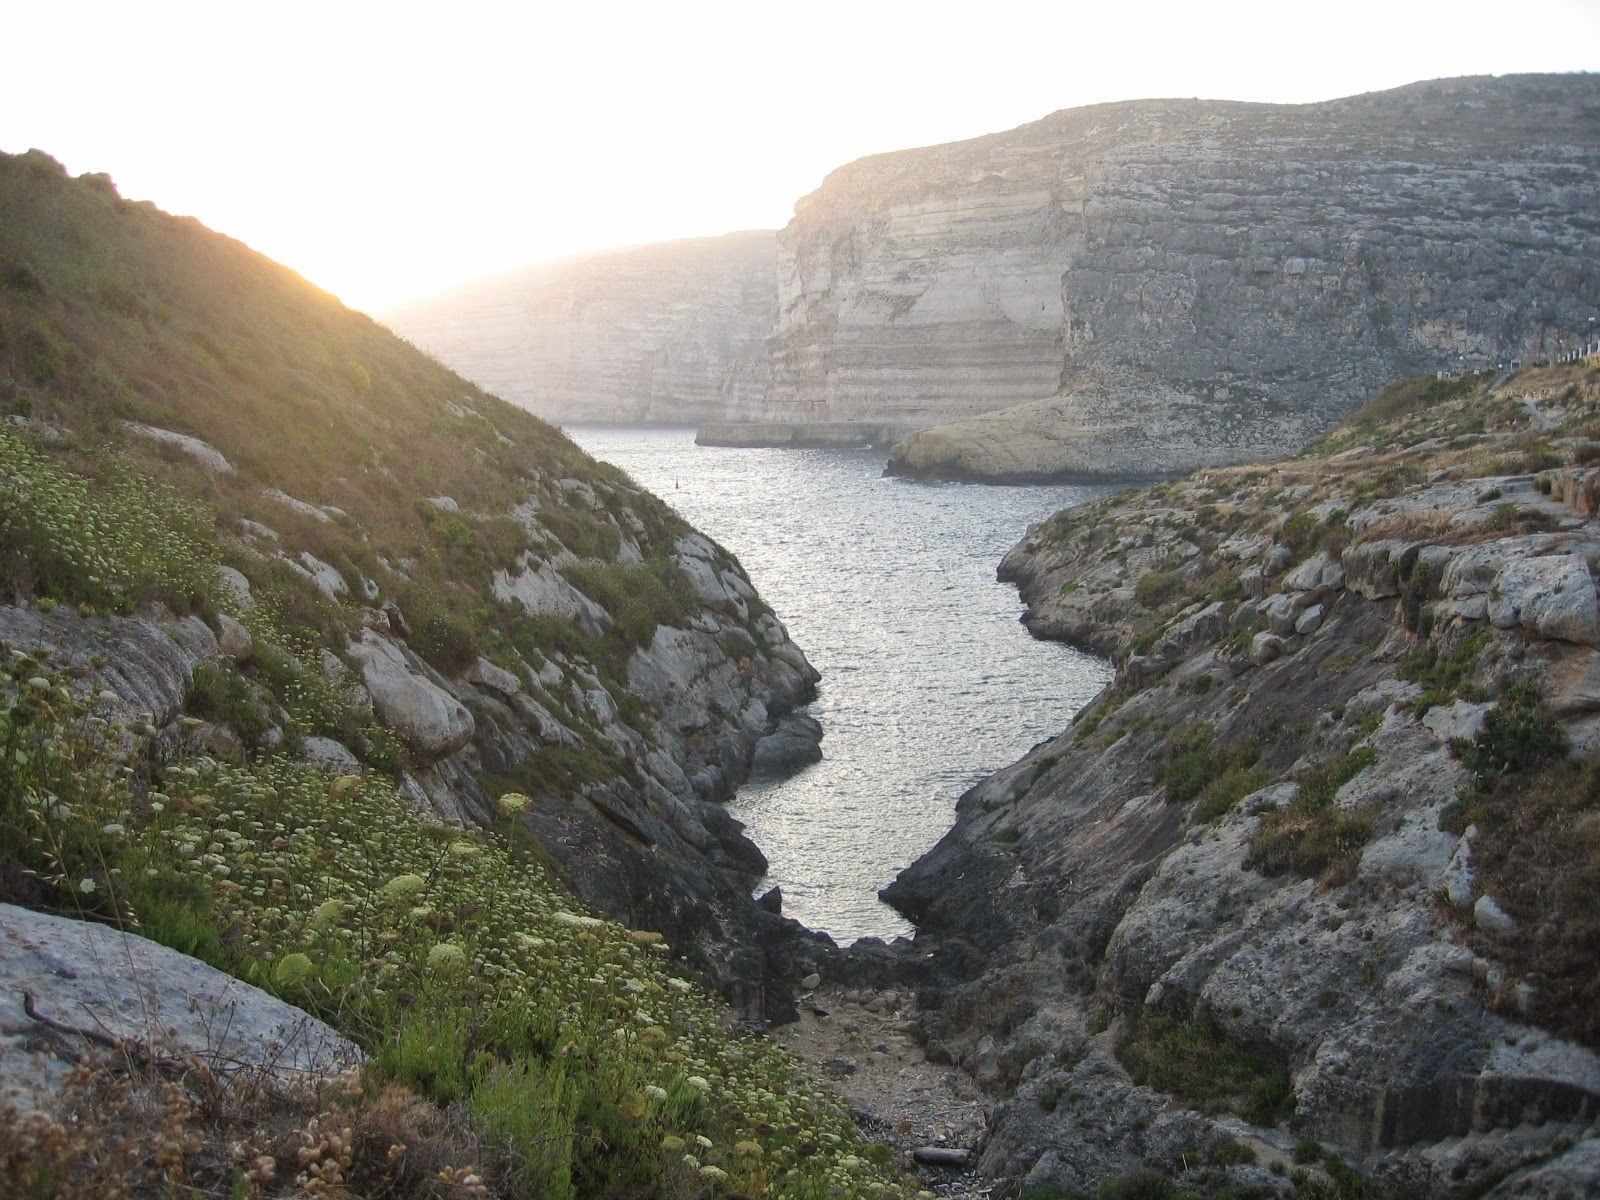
(518, 1046)
(112, 311)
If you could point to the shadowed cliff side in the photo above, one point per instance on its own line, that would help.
(673, 333)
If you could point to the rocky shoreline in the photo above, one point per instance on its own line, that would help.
(826, 435)
(1260, 917)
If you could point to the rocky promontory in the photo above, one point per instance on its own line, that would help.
(1305, 902)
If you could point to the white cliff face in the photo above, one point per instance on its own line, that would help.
(666, 333)
(920, 303)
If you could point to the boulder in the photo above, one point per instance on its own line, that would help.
(207, 455)
(497, 679)
(1311, 620)
(795, 743)
(1468, 608)
(325, 577)
(328, 753)
(541, 590)
(1280, 613)
(431, 720)
(1243, 546)
(1463, 720)
(1552, 595)
(147, 664)
(91, 977)
(1277, 561)
(1372, 569)
(236, 585)
(1320, 571)
(1199, 628)
(1491, 917)
(1265, 647)
(233, 639)
(1471, 571)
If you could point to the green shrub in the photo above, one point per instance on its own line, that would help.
(1193, 1059)
(1227, 1151)
(1222, 795)
(1155, 588)
(638, 596)
(582, 532)
(1515, 736)
(1189, 761)
(221, 694)
(1193, 766)
(1312, 837)
(1443, 676)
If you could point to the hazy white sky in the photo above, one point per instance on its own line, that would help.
(386, 150)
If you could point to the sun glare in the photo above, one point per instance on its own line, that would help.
(386, 153)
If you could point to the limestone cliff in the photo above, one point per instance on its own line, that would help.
(1309, 894)
(668, 333)
(1250, 271)
(1150, 285)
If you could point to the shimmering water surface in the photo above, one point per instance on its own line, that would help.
(929, 682)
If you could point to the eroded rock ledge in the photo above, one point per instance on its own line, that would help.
(1274, 884)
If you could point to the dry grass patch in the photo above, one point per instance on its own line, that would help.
(133, 1126)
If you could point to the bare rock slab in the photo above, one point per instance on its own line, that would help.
(127, 988)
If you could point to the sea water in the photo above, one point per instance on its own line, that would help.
(929, 681)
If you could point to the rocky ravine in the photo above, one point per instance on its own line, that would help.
(673, 333)
(1315, 866)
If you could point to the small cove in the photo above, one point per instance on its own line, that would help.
(929, 681)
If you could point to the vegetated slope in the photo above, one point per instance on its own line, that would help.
(1309, 896)
(434, 579)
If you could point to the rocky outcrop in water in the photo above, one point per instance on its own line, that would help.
(1295, 875)
(673, 333)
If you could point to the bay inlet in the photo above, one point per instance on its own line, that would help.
(929, 681)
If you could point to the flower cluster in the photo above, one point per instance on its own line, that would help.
(103, 543)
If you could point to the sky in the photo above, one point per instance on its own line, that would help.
(389, 150)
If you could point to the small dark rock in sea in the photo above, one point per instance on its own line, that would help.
(795, 743)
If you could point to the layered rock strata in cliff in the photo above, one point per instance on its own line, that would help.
(1277, 838)
(673, 333)
(1191, 281)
